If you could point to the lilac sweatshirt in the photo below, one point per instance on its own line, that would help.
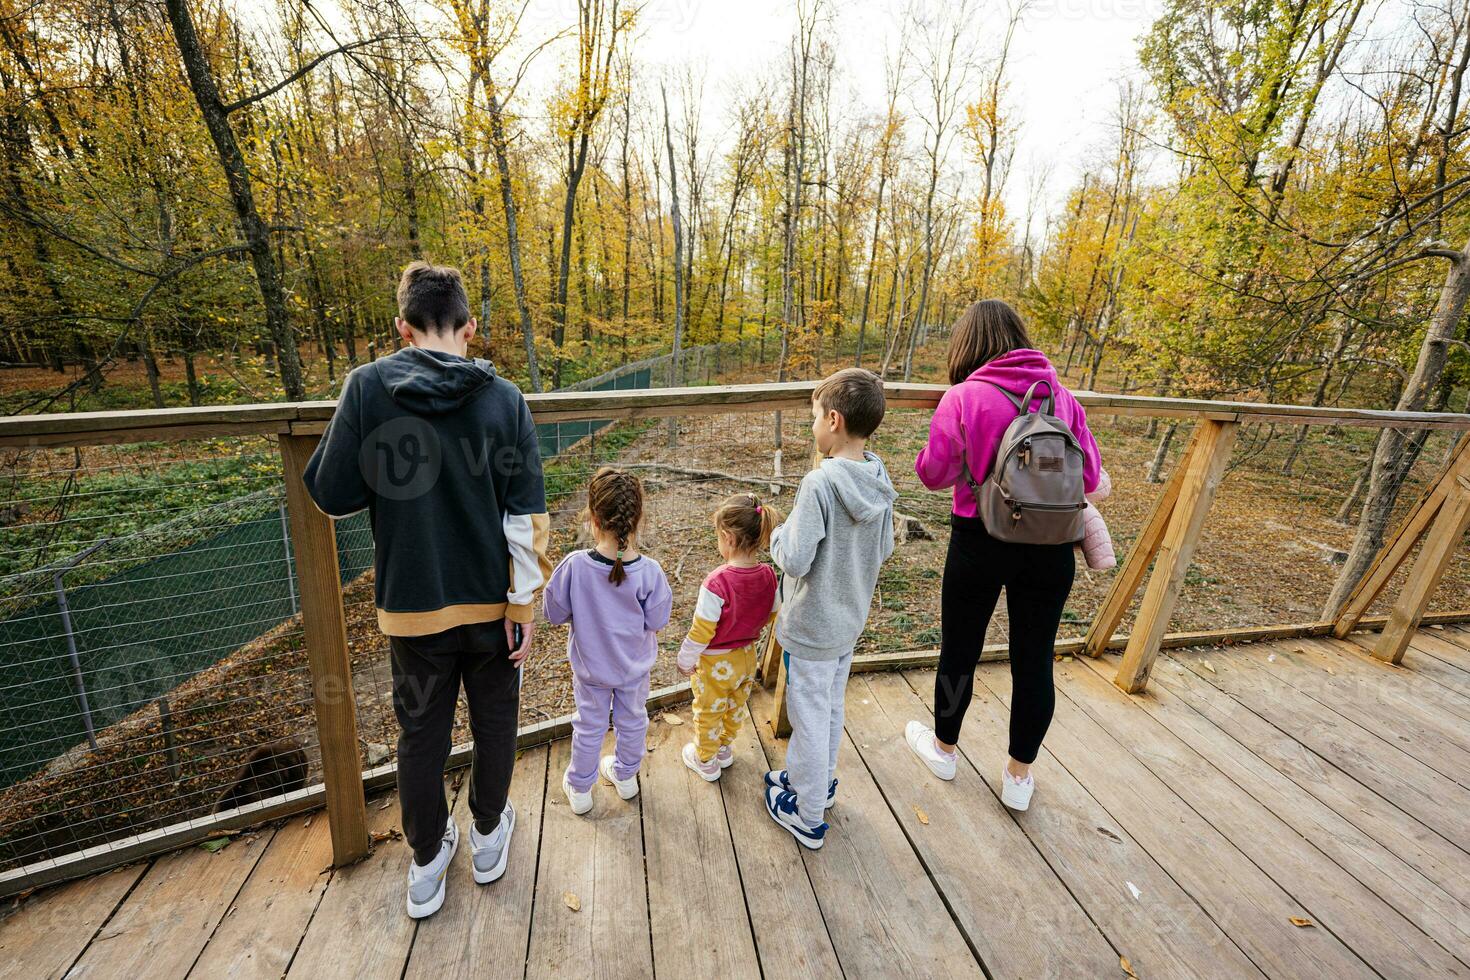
(614, 640)
(975, 408)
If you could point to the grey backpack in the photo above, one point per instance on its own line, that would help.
(1033, 493)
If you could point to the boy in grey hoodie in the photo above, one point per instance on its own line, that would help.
(839, 533)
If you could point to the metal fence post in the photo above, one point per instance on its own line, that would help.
(64, 608)
(286, 550)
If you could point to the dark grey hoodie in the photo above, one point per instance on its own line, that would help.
(443, 454)
(839, 533)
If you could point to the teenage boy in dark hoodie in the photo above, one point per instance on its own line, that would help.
(443, 455)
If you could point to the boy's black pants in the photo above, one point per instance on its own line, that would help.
(1037, 579)
(427, 674)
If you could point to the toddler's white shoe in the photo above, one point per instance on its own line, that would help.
(708, 771)
(725, 757)
(581, 802)
(627, 788)
(924, 745)
(1016, 793)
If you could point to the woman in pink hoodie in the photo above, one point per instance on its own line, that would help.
(990, 354)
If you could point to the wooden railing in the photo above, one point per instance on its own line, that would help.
(1156, 563)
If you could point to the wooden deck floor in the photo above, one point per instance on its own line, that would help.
(1184, 831)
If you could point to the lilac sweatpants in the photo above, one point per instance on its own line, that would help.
(629, 708)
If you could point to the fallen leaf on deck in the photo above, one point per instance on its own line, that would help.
(306, 823)
(669, 719)
(1208, 666)
(1300, 923)
(1127, 967)
(1271, 658)
(215, 845)
(572, 901)
(923, 817)
(386, 803)
(392, 833)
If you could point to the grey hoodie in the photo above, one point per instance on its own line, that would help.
(830, 548)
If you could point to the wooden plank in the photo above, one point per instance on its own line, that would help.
(169, 916)
(598, 859)
(791, 937)
(1399, 721)
(50, 930)
(324, 623)
(1205, 470)
(968, 828)
(693, 879)
(1434, 800)
(361, 928)
(1311, 852)
(1424, 681)
(264, 925)
(1242, 899)
(483, 931)
(1440, 544)
(881, 909)
(1446, 647)
(1402, 834)
(1140, 556)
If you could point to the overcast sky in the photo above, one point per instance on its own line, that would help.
(1068, 58)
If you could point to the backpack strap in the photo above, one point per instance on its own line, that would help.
(1023, 402)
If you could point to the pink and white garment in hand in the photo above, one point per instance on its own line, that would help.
(1097, 543)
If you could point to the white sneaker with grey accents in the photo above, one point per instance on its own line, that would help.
(1016, 793)
(426, 881)
(924, 745)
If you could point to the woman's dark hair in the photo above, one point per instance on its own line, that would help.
(986, 330)
(615, 501)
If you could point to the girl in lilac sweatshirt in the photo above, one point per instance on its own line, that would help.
(616, 600)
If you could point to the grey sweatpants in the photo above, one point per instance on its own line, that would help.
(814, 698)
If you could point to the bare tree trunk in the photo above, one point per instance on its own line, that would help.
(678, 268)
(1397, 448)
(1161, 455)
(237, 176)
(513, 238)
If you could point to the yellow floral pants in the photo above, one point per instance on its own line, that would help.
(721, 685)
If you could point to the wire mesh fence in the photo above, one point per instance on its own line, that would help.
(155, 665)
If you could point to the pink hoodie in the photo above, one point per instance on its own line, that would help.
(983, 413)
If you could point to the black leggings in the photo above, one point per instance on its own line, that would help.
(1037, 580)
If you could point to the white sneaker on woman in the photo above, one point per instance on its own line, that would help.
(921, 739)
(1016, 793)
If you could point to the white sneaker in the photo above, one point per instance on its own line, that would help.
(627, 788)
(921, 739)
(708, 771)
(492, 851)
(725, 757)
(1016, 793)
(581, 802)
(426, 882)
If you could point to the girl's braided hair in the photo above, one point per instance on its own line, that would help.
(615, 502)
(748, 520)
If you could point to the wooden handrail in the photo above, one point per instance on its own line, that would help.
(304, 418)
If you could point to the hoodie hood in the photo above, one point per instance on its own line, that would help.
(428, 382)
(862, 488)
(1017, 371)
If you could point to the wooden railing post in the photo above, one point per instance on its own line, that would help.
(1135, 566)
(325, 624)
(1210, 454)
(1440, 540)
(1395, 552)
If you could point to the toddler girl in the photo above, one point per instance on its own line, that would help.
(1097, 543)
(616, 600)
(718, 656)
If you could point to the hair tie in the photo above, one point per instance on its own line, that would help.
(620, 554)
(757, 508)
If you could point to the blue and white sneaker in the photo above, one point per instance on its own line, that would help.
(781, 805)
(777, 778)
